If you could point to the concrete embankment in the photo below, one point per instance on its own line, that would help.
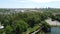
(53, 23)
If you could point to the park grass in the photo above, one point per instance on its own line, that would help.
(29, 30)
(41, 32)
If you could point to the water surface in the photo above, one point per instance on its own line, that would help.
(55, 30)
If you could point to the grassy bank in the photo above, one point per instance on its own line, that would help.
(29, 30)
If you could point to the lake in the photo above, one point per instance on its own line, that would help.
(55, 30)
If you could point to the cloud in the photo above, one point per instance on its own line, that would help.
(22, 1)
(36, 1)
(43, 1)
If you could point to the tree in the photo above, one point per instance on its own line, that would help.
(21, 26)
(9, 30)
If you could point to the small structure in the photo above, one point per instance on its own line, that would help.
(1, 27)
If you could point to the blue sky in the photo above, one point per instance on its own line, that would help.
(29, 3)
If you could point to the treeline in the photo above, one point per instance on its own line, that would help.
(56, 17)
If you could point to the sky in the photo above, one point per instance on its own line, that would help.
(29, 3)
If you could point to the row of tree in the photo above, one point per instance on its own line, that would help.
(56, 17)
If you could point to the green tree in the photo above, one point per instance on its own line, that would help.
(21, 26)
(8, 30)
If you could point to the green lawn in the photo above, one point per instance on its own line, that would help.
(31, 29)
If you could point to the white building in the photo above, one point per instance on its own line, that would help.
(1, 27)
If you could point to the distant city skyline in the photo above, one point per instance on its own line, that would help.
(29, 3)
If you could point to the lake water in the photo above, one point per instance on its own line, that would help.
(55, 30)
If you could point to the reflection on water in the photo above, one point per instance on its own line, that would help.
(55, 30)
